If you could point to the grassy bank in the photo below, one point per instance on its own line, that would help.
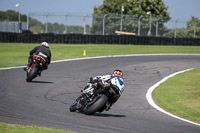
(16, 54)
(12, 128)
(180, 95)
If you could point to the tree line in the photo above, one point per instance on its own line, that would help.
(141, 10)
(36, 26)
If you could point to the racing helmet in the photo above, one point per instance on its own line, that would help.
(117, 73)
(45, 44)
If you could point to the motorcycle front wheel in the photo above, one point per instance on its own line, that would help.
(97, 103)
(73, 107)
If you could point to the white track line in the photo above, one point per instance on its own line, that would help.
(150, 90)
(153, 104)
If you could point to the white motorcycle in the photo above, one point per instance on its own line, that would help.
(90, 102)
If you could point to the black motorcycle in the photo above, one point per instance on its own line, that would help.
(90, 102)
(35, 68)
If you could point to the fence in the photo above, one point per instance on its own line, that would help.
(107, 25)
(12, 26)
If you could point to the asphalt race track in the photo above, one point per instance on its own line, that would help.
(45, 101)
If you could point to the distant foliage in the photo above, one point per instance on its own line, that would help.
(38, 27)
(193, 24)
(133, 8)
(192, 30)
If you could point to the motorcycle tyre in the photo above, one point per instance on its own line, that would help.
(32, 74)
(73, 107)
(96, 105)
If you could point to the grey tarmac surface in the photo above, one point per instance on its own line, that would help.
(45, 101)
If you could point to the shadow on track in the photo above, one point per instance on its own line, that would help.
(45, 82)
(108, 115)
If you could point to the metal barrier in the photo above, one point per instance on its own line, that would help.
(12, 26)
(107, 24)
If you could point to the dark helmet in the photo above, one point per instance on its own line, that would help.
(117, 73)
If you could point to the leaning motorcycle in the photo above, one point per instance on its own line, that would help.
(89, 102)
(35, 68)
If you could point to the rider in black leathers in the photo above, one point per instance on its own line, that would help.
(43, 51)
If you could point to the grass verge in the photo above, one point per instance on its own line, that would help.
(180, 95)
(12, 128)
(16, 54)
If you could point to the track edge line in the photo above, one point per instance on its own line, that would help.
(154, 105)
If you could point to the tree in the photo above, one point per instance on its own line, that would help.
(39, 27)
(180, 33)
(11, 15)
(190, 31)
(193, 27)
(133, 9)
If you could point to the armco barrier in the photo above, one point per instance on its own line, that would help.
(28, 37)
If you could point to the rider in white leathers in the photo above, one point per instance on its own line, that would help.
(112, 83)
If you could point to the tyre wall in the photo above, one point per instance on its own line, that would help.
(28, 37)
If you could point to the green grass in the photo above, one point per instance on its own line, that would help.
(16, 54)
(180, 95)
(12, 128)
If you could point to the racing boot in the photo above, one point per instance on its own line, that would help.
(26, 68)
(39, 73)
(108, 106)
(28, 65)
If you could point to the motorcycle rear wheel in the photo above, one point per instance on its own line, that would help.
(32, 74)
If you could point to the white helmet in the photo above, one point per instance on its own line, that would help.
(118, 84)
(45, 44)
